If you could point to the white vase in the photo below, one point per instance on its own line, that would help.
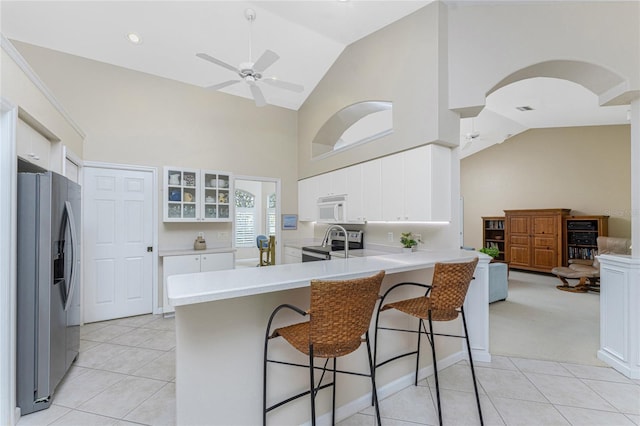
(407, 249)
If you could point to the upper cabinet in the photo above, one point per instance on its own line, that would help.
(194, 195)
(32, 146)
(308, 199)
(416, 185)
(413, 186)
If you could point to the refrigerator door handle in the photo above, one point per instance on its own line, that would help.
(74, 252)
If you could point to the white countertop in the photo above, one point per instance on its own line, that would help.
(182, 252)
(187, 289)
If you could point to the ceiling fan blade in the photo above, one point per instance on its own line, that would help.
(216, 61)
(283, 84)
(258, 97)
(265, 61)
(223, 85)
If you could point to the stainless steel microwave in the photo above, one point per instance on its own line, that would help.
(332, 209)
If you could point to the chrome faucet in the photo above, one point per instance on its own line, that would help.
(325, 240)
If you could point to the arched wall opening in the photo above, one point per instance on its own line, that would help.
(589, 76)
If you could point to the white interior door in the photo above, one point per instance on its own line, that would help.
(118, 229)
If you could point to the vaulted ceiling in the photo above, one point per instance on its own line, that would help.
(308, 36)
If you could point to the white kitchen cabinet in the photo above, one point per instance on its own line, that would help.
(32, 146)
(411, 186)
(355, 205)
(292, 255)
(216, 261)
(339, 181)
(217, 196)
(332, 183)
(194, 195)
(191, 263)
(308, 199)
(416, 185)
(371, 190)
(393, 179)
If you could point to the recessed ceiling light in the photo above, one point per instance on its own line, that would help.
(134, 38)
(524, 108)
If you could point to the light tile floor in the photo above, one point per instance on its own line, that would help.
(125, 375)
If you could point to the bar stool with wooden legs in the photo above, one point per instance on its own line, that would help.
(339, 316)
(442, 301)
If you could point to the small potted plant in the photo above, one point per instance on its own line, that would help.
(491, 251)
(407, 241)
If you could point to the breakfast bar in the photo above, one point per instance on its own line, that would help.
(221, 317)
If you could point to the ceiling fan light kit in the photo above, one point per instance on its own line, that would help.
(251, 72)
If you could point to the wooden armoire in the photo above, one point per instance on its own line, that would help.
(533, 239)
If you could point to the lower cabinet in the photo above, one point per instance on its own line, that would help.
(188, 264)
(292, 255)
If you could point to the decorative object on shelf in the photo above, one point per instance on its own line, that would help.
(174, 210)
(188, 197)
(174, 179)
(213, 183)
(189, 211)
(490, 251)
(199, 243)
(223, 183)
(407, 241)
(223, 197)
(174, 195)
(189, 179)
(289, 221)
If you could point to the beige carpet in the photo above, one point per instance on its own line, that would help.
(541, 322)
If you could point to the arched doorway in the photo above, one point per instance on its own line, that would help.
(599, 81)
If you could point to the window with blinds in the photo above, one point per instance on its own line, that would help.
(245, 219)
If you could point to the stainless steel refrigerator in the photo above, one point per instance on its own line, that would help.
(48, 319)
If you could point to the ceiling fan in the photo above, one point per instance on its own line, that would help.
(251, 72)
(472, 135)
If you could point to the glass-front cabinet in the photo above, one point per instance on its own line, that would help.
(217, 199)
(194, 195)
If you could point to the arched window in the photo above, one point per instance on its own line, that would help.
(353, 125)
(245, 218)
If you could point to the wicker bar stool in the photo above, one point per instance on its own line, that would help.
(442, 301)
(339, 316)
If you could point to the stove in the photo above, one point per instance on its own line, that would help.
(337, 243)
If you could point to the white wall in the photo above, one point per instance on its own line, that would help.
(586, 169)
(402, 63)
(490, 41)
(135, 118)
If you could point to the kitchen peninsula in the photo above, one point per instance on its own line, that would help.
(220, 325)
